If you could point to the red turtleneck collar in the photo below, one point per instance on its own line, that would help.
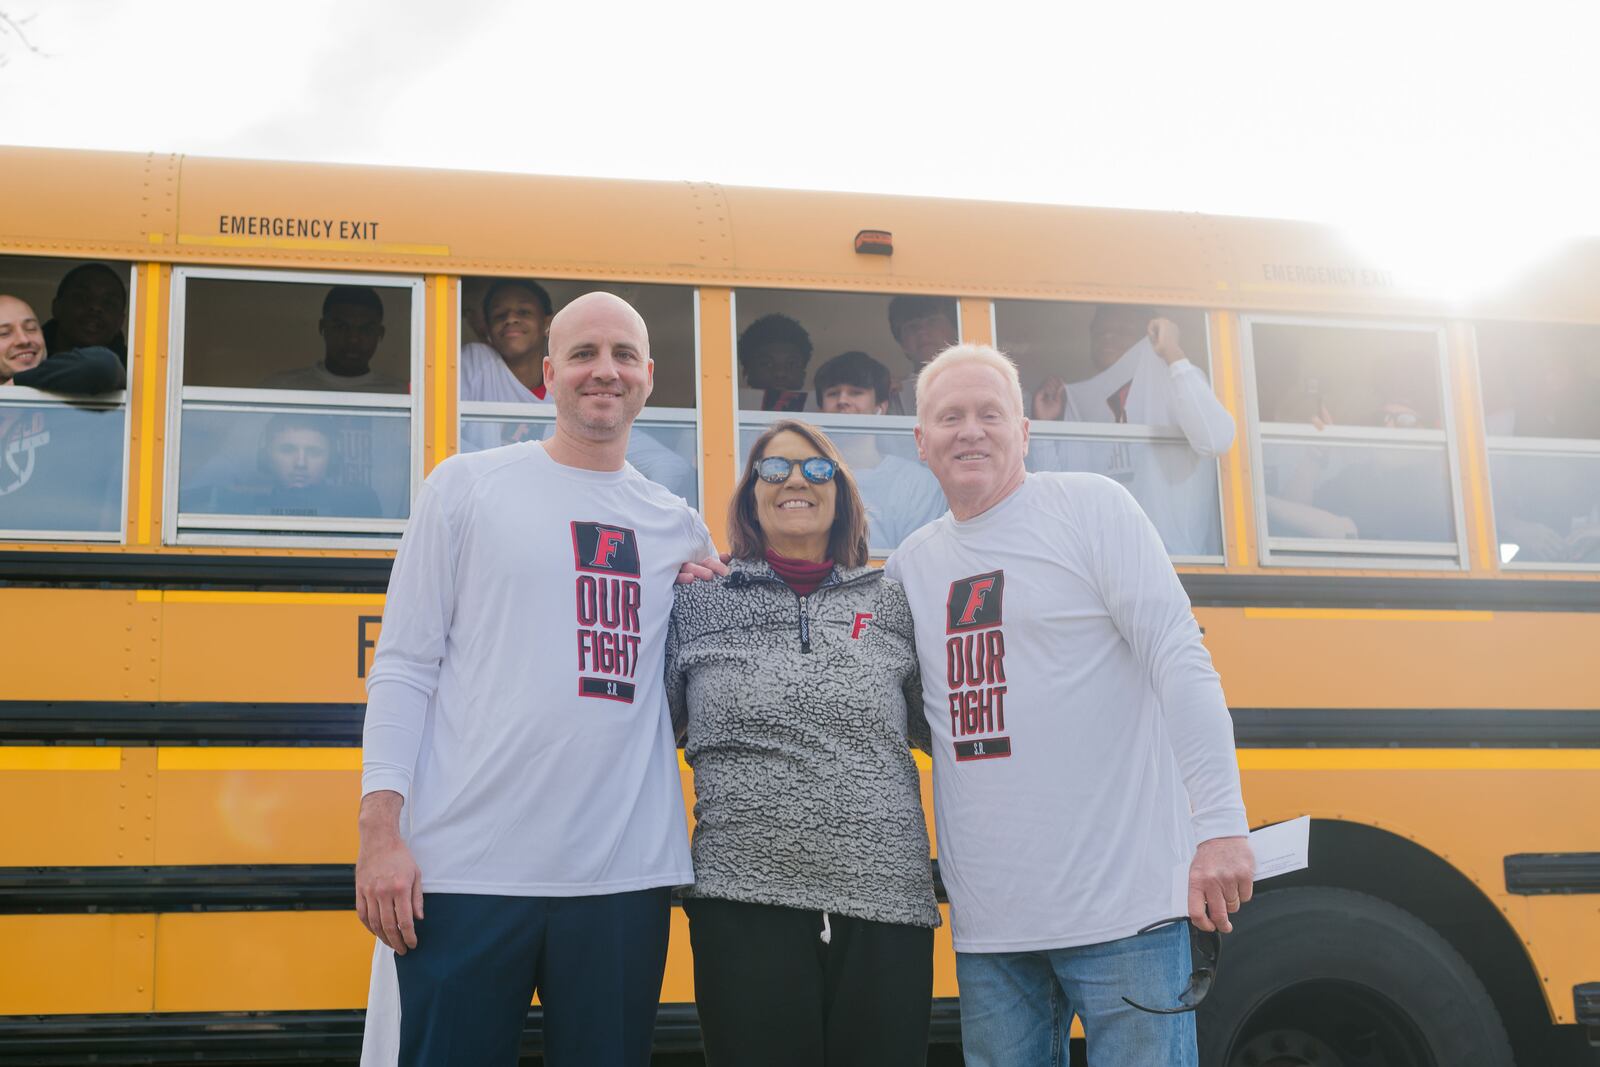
(801, 575)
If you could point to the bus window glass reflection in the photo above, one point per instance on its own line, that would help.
(1541, 405)
(1123, 365)
(296, 463)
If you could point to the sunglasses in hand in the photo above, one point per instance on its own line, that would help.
(1206, 945)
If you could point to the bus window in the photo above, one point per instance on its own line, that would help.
(1122, 390)
(63, 412)
(1354, 448)
(847, 363)
(504, 325)
(296, 410)
(1541, 401)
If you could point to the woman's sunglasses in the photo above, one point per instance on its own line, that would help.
(816, 470)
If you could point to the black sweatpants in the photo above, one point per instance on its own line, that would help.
(595, 961)
(771, 994)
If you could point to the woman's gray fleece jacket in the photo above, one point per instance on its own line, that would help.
(799, 713)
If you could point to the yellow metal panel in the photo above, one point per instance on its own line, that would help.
(147, 372)
(261, 961)
(77, 964)
(46, 660)
(719, 432)
(60, 758)
(677, 984)
(1370, 614)
(111, 205)
(258, 815)
(67, 811)
(1472, 448)
(259, 759)
(1239, 520)
(1310, 660)
(439, 409)
(977, 321)
(269, 647)
(1420, 759)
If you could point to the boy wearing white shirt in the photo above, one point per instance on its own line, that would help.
(1144, 378)
(1081, 744)
(518, 759)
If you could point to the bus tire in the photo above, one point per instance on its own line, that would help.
(1332, 977)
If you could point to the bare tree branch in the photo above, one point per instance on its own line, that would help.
(13, 26)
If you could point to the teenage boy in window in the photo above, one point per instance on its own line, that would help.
(924, 326)
(773, 353)
(1143, 377)
(900, 495)
(352, 328)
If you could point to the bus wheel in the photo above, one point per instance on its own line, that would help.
(1320, 977)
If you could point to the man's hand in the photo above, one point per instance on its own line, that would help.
(1050, 401)
(702, 570)
(1220, 879)
(388, 881)
(1164, 339)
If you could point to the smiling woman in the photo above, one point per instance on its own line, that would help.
(789, 503)
(794, 683)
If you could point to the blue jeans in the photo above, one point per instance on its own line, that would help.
(1017, 1007)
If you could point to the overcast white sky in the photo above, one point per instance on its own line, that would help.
(1398, 119)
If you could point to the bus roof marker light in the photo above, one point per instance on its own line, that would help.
(874, 243)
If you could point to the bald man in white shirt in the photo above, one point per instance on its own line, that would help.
(522, 820)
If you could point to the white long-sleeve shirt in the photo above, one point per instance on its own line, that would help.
(1177, 487)
(516, 699)
(1081, 742)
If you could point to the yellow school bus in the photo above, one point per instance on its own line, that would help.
(1393, 562)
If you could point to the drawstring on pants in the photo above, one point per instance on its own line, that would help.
(827, 931)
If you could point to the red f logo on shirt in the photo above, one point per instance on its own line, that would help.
(860, 625)
(606, 546)
(976, 593)
(975, 603)
(605, 549)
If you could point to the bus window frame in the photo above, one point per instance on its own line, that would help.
(1552, 447)
(488, 411)
(219, 530)
(24, 396)
(1099, 431)
(1358, 553)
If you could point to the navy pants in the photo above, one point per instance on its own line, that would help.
(596, 963)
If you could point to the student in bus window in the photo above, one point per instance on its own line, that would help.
(1143, 377)
(773, 353)
(509, 369)
(352, 328)
(900, 495)
(296, 464)
(923, 326)
(24, 359)
(89, 311)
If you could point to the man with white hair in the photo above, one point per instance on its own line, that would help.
(518, 760)
(1083, 752)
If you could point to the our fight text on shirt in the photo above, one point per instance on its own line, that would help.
(608, 598)
(975, 665)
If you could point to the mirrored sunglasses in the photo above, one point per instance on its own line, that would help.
(816, 470)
